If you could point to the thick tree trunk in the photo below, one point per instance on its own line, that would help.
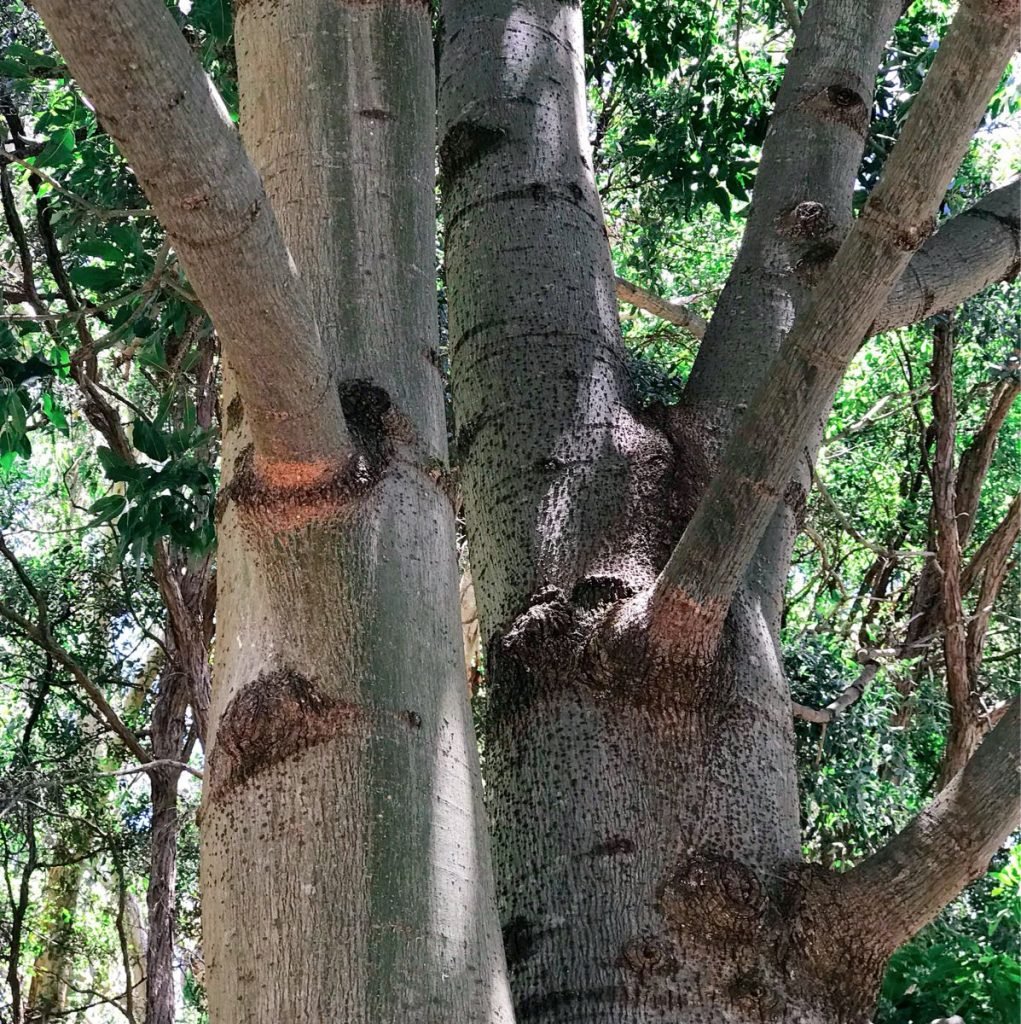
(642, 784)
(346, 872)
(618, 781)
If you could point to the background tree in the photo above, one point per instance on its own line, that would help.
(634, 704)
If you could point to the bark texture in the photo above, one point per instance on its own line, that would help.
(640, 782)
(345, 858)
(168, 120)
(719, 543)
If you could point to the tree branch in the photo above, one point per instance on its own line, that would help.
(975, 462)
(157, 103)
(971, 251)
(964, 734)
(947, 846)
(997, 561)
(793, 14)
(40, 636)
(712, 555)
(848, 696)
(998, 544)
(671, 310)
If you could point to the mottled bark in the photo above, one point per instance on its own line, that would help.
(643, 800)
(345, 865)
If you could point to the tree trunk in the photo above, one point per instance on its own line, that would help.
(168, 743)
(343, 776)
(641, 783)
(640, 745)
(47, 995)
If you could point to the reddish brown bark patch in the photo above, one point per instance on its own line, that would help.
(290, 506)
(271, 720)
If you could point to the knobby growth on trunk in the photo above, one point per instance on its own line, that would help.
(628, 564)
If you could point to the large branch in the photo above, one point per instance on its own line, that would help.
(905, 884)
(166, 117)
(971, 251)
(975, 249)
(708, 563)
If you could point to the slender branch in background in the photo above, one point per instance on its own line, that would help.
(100, 212)
(40, 636)
(997, 564)
(964, 735)
(710, 560)
(847, 697)
(971, 474)
(674, 311)
(135, 66)
(977, 248)
(1002, 539)
(122, 937)
(853, 531)
(793, 14)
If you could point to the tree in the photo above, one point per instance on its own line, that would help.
(629, 564)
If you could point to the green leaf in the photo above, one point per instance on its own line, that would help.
(149, 440)
(97, 279)
(60, 359)
(115, 467)
(108, 508)
(59, 151)
(53, 412)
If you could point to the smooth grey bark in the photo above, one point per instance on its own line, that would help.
(971, 251)
(345, 865)
(901, 888)
(545, 440)
(168, 120)
(641, 787)
(719, 543)
(801, 208)
(671, 310)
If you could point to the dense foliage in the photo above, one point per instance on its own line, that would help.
(108, 453)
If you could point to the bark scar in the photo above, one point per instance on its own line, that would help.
(272, 719)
